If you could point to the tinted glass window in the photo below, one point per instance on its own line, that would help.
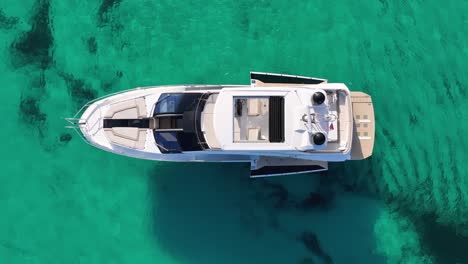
(177, 141)
(167, 141)
(176, 103)
(179, 131)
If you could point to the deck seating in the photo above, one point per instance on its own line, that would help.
(254, 107)
(128, 109)
(253, 134)
(208, 125)
(132, 137)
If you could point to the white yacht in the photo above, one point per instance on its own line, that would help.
(280, 124)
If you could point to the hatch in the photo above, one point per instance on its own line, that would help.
(258, 119)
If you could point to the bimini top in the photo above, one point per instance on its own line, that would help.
(281, 118)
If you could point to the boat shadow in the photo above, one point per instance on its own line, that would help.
(213, 213)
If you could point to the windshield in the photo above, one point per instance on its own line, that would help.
(176, 103)
(178, 118)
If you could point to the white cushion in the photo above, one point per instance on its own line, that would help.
(254, 134)
(254, 107)
(131, 113)
(126, 132)
(129, 109)
(208, 129)
(131, 137)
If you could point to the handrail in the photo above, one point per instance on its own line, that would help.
(201, 143)
(80, 134)
(75, 120)
(168, 115)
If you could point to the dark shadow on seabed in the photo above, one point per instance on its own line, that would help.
(213, 213)
(441, 241)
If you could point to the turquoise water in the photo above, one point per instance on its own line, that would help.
(63, 201)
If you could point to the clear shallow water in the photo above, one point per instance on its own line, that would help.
(65, 202)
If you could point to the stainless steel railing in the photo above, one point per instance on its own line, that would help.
(75, 122)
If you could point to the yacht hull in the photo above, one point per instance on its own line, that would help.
(114, 123)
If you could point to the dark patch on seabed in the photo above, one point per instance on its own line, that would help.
(38, 84)
(277, 194)
(35, 46)
(317, 200)
(31, 113)
(108, 85)
(448, 88)
(7, 22)
(323, 198)
(413, 119)
(189, 219)
(218, 200)
(79, 91)
(65, 137)
(461, 88)
(384, 9)
(104, 8)
(29, 108)
(312, 243)
(92, 45)
(441, 241)
(15, 248)
(278, 197)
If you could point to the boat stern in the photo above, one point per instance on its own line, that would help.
(363, 126)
